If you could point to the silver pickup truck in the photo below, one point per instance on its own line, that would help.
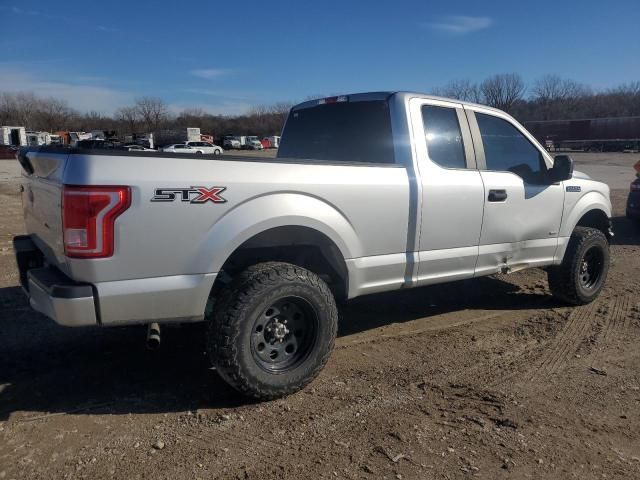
(369, 193)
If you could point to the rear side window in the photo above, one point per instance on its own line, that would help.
(507, 149)
(444, 138)
(339, 132)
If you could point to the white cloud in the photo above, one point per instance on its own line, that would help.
(209, 73)
(81, 96)
(86, 93)
(74, 20)
(460, 24)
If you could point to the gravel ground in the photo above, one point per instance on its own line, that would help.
(486, 379)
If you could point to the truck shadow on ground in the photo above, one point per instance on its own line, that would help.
(51, 369)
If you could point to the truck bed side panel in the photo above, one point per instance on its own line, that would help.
(177, 238)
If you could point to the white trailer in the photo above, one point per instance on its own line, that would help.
(16, 136)
(35, 139)
(193, 135)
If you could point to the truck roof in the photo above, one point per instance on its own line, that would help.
(384, 95)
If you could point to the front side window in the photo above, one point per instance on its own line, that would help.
(507, 149)
(444, 138)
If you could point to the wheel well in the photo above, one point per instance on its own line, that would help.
(302, 246)
(596, 219)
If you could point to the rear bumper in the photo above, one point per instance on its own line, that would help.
(52, 293)
(176, 298)
(64, 301)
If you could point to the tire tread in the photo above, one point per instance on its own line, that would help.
(562, 279)
(232, 303)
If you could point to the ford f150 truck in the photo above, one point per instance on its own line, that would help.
(369, 193)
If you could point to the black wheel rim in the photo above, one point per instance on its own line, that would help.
(591, 267)
(283, 334)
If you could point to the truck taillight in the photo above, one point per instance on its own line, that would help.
(88, 219)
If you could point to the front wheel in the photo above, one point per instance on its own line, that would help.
(272, 330)
(581, 276)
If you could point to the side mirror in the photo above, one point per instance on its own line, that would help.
(562, 168)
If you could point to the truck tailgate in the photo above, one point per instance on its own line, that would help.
(42, 174)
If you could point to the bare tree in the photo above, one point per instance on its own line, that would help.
(152, 111)
(549, 88)
(630, 89)
(19, 108)
(53, 114)
(464, 90)
(129, 117)
(552, 88)
(503, 90)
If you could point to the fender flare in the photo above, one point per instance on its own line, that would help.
(262, 213)
(591, 201)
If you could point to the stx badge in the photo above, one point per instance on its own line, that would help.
(195, 195)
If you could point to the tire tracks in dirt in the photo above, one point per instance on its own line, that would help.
(566, 343)
(617, 323)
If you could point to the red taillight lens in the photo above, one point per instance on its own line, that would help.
(88, 218)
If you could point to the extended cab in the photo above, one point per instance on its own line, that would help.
(369, 193)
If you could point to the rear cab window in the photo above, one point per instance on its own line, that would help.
(349, 131)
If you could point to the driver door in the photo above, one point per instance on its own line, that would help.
(522, 208)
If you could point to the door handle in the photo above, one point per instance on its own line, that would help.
(497, 195)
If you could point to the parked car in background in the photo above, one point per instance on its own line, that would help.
(98, 144)
(252, 143)
(137, 148)
(265, 143)
(181, 148)
(206, 147)
(231, 142)
(8, 152)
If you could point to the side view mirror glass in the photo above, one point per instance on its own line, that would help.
(562, 168)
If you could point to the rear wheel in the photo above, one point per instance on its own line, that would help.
(582, 274)
(272, 330)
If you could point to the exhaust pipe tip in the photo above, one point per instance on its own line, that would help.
(153, 336)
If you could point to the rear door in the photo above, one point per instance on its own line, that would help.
(522, 209)
(451, 191)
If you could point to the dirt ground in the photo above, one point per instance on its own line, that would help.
(488, 378)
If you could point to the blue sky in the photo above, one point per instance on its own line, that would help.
(227, 56)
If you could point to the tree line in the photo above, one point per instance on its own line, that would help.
(146, 114)
(548, 98)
